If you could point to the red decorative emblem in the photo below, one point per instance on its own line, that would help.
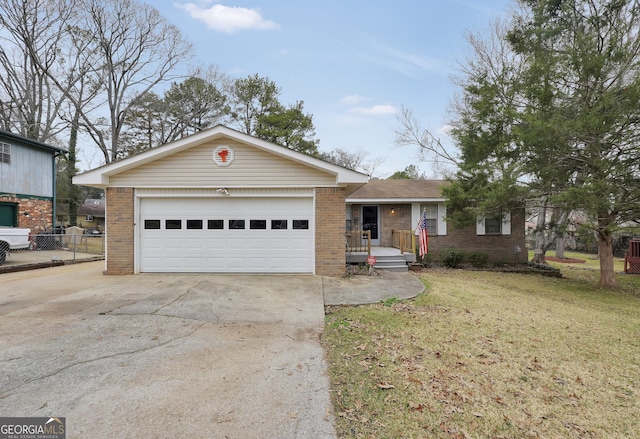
(223, 156)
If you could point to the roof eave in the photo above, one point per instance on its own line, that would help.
(395, 200)
(99, 177)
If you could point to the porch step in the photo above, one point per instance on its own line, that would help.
(391, 263)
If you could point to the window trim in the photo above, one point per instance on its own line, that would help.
(300, 224)
(505, 225)
(5, 153)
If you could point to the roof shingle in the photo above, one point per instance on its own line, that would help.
(399, 189)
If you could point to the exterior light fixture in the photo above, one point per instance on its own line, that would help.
(393, 211)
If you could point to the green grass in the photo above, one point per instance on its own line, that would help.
(591, 261)
(484, 354)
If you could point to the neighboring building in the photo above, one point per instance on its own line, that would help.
(223, 201)
(91, 215)
(382, 206)
(27, 182)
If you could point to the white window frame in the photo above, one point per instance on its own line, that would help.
(5, 153)
(505, 226)
(416, 215)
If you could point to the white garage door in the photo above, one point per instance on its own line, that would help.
(226, 235)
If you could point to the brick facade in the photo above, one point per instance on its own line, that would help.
(120, 231)
(330, 231)
(329, 240)
(499, 248)
(399, 219)
(40, 213)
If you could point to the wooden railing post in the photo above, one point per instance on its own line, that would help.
(368, 242)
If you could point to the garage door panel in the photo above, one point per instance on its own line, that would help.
(268, 243)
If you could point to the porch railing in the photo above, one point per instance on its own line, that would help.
(358, 241)
(405, 240)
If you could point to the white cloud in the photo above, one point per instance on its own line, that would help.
(375, 110)
(406, 62)
(228, 19)
(353, 100)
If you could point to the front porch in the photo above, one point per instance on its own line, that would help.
(359, 249)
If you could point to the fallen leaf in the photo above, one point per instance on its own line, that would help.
(386, 386)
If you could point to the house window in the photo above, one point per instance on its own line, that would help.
(89, 218)
(194, 224)
(152, 224)
(258, 224)
(278, 224)
(215, 224)
(5, 153)
(236, 224)
(432, 217)
(300, 224)
(493, 225)
(173, 224)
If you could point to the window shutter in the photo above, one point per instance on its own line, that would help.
(480, 226)
(506, 223)
(442, 223)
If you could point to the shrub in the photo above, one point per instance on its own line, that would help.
(478, 259)
(426, 260)
(451, 257)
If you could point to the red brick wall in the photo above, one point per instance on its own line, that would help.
(40, 213)
(400, 219)
(499, 248)
(330, 232)
(120, 230)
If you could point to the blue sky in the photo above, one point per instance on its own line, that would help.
(354, 63)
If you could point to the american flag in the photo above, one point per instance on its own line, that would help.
(424, 236)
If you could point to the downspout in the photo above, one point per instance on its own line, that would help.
(55, 191)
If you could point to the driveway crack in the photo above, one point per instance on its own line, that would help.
(8, 392)
(177, 298)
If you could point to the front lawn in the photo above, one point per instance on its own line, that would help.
(490, 355)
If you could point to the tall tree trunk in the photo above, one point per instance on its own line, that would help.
(74, 193)
(539, 252)
(605, 252)
(560, 247)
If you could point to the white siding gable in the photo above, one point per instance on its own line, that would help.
(195, 167)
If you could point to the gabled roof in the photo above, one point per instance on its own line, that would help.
(94, 207)
(396, 191)
(99, 177)
(25, 141)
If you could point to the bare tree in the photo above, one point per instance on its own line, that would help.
(411, 133)
(138, 49)
(356, 161)
(32, 34)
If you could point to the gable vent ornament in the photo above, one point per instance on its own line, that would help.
(223, 156)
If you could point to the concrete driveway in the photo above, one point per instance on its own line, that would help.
(150, 356)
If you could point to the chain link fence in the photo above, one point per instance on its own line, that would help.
(48, 249)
